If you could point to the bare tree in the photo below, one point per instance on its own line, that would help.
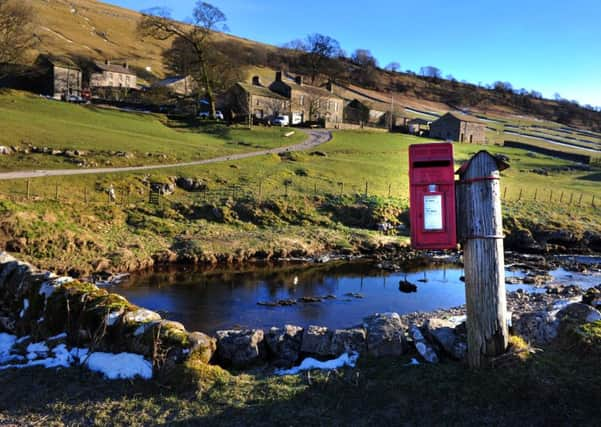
(393, 66)
(431, 72)
(197, 37)
(15, 31)
(319, 54)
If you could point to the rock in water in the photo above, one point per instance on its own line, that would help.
(240, 348)
(422, 346)
(407, 287)
(385, 335)
(317, 340)
(442, 332)
(284, 344)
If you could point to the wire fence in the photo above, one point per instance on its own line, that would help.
(155, 193)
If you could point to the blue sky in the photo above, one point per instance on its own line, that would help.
(551, 46)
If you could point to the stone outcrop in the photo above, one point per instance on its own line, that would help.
(284, 344)
(422, 346)
(317, 341)
(348, 341)
(240, 348)
(540, 327)
(385, 335)
(442, 332)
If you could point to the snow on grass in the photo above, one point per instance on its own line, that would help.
(347, 359)
(120, 366)
(25, 307)
(113, 366)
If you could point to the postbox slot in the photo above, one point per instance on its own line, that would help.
(432, 164)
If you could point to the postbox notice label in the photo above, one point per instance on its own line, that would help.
(433, 212)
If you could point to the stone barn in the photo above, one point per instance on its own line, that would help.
(459, 127)
(58, 77)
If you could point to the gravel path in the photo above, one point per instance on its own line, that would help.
(315, 138)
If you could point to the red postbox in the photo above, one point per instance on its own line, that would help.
(432, 196)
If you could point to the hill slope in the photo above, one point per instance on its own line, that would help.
(95, 30)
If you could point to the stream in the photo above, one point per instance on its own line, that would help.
(223, 299)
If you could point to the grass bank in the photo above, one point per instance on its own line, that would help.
(553, 387)
(294, 204)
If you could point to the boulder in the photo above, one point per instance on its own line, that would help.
(579, 313)
(538, 328)
(190, 184)
(592, 297)
(385, 335)
(285, 344)
(202, 346)
(240, 348)
(442, 332)
(422, 346)
(139, 316)
(349, 340)
(317, 340)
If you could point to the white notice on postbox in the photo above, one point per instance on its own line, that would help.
(433, 212)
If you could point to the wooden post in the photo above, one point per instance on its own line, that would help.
(85, 195)
(366, 188)
(593, 202)
(561, 197)
(571, 198)
(505, 194)
(260, 190)
(389, 190)
(535, 194)
(480, 230)
(56, 193)
(580, 200)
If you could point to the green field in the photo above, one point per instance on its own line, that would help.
(103, 133)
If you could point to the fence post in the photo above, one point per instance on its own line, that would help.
(56, 192)
(561, 197)
(571, 198)
(260, 190)
(85, 195)
(535, 194)
(389, 190)
(550, 195)
(366, 188)
(341, 188)
(593, 202)
(505, 194)
(520, 196)
(314, 189)
(480, 228)
(28, 188)
(580, 200)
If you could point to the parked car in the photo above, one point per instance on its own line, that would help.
(74, 98)
(281, 121)
(205, 115)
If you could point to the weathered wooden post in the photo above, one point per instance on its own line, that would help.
(480, 230)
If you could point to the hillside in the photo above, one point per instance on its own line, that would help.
(94, 30)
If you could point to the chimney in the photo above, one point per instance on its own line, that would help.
(278, 76)
(256, 81)
(299, 80)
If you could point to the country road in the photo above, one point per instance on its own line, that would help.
(315, 138)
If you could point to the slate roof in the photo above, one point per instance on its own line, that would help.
(261, 91)
(113, 68)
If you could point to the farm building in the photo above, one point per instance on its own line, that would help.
(256, 99)
(109, 75)
(311, 103)
(58, 77)
(459, 127)
(178, 85)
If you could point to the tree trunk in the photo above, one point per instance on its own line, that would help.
(480, 229)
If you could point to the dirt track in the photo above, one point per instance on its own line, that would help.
(315, 138)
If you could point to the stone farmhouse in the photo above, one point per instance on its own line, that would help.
(108, 75)
(310, 103)
(58, 77)
(178, 85)
(255, 99)
(459, 127)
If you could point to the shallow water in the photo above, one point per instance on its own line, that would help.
(219, 299)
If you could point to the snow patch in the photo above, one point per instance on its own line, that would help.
(47, 289)
(58, 337)
(37, 350)
(347, 359)
(6, 344)
(414, 362)
(112, 317)
(120, 366)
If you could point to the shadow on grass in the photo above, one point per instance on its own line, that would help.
(194, 124)
(591, 177)
(550, 389)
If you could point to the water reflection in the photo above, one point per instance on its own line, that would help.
(221, 299)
